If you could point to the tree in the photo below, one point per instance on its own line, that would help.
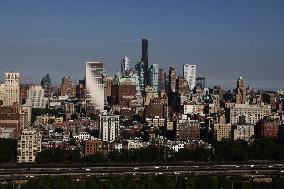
(98, 157)
(74, 156)
(231, 150)
(50, 155)
(93, 117)
(74, 116)
(8, 150)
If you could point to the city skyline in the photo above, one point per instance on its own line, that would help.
(141, 94)
(59, 37)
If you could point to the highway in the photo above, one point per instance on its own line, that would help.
(14, 173)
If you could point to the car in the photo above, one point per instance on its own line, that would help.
(87, 169)
(136, 168)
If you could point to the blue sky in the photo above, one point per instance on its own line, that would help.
(224, 38)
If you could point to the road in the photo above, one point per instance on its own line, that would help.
(14, 173)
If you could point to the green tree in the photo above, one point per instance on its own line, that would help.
(74, 116)
(50, 155)
(93, 117)
(8, 150)
(74, 156)
(98, 157)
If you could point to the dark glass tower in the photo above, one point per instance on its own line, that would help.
(144, 58)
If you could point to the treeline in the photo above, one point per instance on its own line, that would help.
(68, 156)
(141, 155)
(8, 150)
(58, 156)
(239, 150)
(159, 154)
(146, 182)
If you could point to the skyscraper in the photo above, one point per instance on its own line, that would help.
(35, 97)
(94, 85)
(200, 83)
(68, 86)
(154, 76)
(189, 73)
(10, 90)
(81, 89)
(161, 80)
(182, 85)
(144, 58)
(46, 85)
(139, 67)
(172, 79)
(241, 91)
(124, 65)
(145, 62)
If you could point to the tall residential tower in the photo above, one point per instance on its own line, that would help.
(189, 73)
(154, 76)
(94, 85)
(124, 65)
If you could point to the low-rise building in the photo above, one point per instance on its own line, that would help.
(6, 132)
(267, 127)
(155, 122)
(92, 147)
(82, 136)
(187, 130)
(193, 108)
(9, 117)
(243, 132)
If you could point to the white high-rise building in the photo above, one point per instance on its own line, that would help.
(154, 77)
(124, 65)
(35, 97)
(189, 73)
(29, 145)
(95, 85)
(109, 129)
(10, 90)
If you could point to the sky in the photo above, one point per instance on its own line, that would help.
(226, 39)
